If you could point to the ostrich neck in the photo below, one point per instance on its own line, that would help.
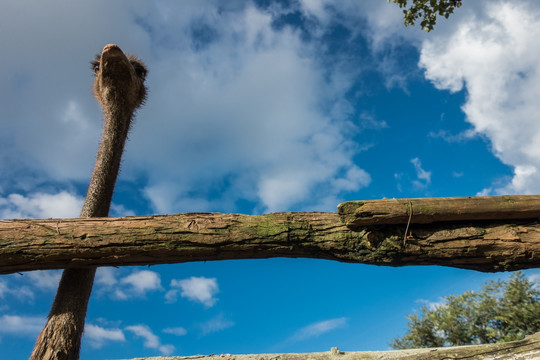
(60, 339)
(100, 190)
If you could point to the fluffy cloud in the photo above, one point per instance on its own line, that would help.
(106, 276)
(97, 335)
(13, 288)
(45, 205)
(199, 289)
(40, 205)
(143, 281)
(25, 288)
(236, 108)
(49, 121)
(247, 111)
(21, 325)
(45, 279)
(151, 341)
(494, 56)
(136, 284)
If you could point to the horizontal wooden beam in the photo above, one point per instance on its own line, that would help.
(67, 243)
(528, 348)
(430, 210)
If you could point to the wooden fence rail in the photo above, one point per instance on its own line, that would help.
(483, 245)
(526, 349)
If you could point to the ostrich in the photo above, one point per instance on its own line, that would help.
(119, 89)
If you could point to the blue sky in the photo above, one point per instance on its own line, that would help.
(256, 107)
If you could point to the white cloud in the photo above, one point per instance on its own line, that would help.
(178, 331)
(21, 293)
(45, 279)
(21, 325)
(383, 31)
(494, 56)
(150, 339)
(40, 205)
(216, 324)
(317, 329)
(97, 335)
(106, 276)
(199, 289)
(264, 130)
(385, 22)
(141, 282)
(171, 296)
(120, 211)
(421, 173)
(424, 177)
(354, 179)
(54, 130)
(137, 284)
(239, 114)
(317, 9)
(120, 294)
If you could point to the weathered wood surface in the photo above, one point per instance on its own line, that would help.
(429, 210)
(526, 349)
(63, 243)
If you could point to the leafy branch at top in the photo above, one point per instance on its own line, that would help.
(427, 10)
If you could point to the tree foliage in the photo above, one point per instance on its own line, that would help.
(501, 311)
(427, 10)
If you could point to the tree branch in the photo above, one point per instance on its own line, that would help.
(65, 243)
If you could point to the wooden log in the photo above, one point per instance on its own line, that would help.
(429, 210)
(63, 243)
(528, 348)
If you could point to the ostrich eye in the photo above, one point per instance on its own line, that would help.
(95, 66)
(139, 70)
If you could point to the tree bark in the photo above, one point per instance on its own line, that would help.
(429, 210)
(74, 243)
(528, 348)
